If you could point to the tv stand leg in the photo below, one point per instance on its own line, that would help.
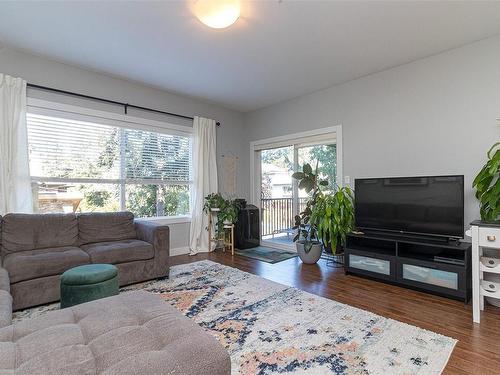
(476, 294)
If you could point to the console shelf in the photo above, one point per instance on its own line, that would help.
(432, 266)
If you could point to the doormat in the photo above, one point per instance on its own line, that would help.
(267, 254)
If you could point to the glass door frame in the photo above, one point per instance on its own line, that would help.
(327, 135)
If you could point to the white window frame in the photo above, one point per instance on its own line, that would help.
(306, 138)
(55, 109)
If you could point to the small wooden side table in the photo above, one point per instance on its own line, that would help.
(228, 238)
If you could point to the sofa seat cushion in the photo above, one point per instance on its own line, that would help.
(96, 227)
(32, 264)
(119, 251)
(22, 232)
(132, 333)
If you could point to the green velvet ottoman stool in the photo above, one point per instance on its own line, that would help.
(87, 283)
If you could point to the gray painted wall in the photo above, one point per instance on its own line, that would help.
(46, 72)
(433, 116)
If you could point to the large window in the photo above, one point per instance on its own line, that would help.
(82, 166)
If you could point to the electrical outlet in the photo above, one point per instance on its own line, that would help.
(347, 180)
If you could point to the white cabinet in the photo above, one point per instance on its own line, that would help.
(485, 265)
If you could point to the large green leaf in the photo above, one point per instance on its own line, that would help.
(491, 150)
(298, 175)
(307, 169)
(306, 184)
(487, 185)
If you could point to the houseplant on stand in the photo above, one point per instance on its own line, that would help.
(226, 211)
(308, 245)
(229, 212)
(213, 203)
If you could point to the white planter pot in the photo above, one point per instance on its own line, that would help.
(312, 256)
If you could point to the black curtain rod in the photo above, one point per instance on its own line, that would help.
(125, 106)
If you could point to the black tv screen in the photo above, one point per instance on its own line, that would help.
(432, 205)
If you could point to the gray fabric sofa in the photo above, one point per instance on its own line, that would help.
(35, 249)
(132, 333)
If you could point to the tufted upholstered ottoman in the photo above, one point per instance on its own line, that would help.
(132, 333)
(87, 283)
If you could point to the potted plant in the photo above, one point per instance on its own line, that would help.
(229, 212)
(225, 209)
(309, 248)
(213, 202)
(487, 185)
(333, 215)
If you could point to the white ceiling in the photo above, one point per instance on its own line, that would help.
(275, 51)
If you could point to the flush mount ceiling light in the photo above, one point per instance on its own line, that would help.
(217, 14)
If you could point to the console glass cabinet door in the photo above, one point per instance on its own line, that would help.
(381, 266)
(440, 278)
(437, 277)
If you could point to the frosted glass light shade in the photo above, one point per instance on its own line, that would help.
(217, 14)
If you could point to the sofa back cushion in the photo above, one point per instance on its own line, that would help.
(106, 226)
(22, 232)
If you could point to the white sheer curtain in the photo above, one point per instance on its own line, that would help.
(205, 181)
(15, 185)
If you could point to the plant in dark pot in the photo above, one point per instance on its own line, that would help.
(308, 245)
(487, 185)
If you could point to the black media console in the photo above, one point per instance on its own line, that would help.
(439, 267)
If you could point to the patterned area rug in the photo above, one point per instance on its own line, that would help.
(269, 328)
(266, 254)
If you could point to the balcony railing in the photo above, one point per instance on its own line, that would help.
(278, 215)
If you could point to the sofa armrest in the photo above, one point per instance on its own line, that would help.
(5, 299)
(4, 280)
(156, 234)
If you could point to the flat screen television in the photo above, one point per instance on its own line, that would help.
(430, 206)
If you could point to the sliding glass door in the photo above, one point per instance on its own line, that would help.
(276, 194)
(280, 197)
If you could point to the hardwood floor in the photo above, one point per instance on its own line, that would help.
(478, 347)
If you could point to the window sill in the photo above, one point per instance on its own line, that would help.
(169, 219)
